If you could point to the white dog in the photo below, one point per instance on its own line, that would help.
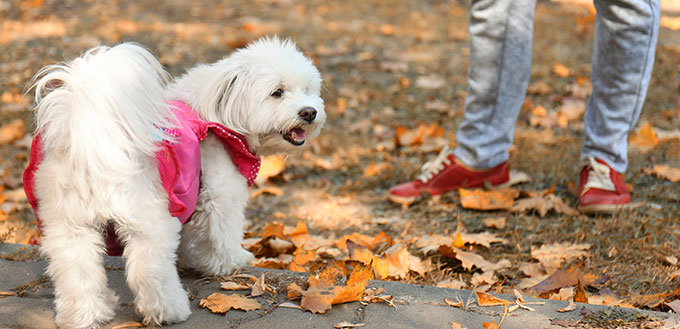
(118, 147)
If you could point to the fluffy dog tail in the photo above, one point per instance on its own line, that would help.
(103, 109)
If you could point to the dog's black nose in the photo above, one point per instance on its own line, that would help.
(308, 114)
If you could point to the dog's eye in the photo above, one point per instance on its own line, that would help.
(278, 93)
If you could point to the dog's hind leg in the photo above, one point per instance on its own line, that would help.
(151, 237)
(75, 249)
(211, 241)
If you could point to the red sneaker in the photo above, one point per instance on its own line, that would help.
(445, 173)
(602, 189)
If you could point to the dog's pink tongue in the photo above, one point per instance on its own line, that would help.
(299, 134)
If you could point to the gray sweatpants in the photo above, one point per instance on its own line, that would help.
(501, 34)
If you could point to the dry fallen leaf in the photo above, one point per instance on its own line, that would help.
(259, 287)
(568, 308)
(364, 240)
(539, 111)
(430, 82)
(362, 254)
(539, 88)
(327, 277)
(552, 256)
(272, 263)
(319, 299)
(356, 285)
(299, 235)
(485, 299)
(452, 284)
(290, 305)
(252, 278)
(272, 165)
(489, 325)
(322, 292)
(580, 294)
(458, 241)
(563, 278)
(456, 325)
(455, 303)
(233, 286)
(671, 23)
(518, 177)
(644, 138)
(294, 291)
(375, 169)
(488, 277)
(273, 229)
(560, 70)
(268, 189)
(664, 171)
(484, 239)
(564, 293)
(518, 295)
(469, 259)
(674, 305)
(674, 275)
(496, 222)
(375, 295)
(543, 204)
(359, 253)
(431, 242)
(654, 300)
(304, 256)
(12, 131)
(400, 262)
(572, 108)
(487, 200)
(667, 135)
(371, 293)
(221, 303)
(672, 260)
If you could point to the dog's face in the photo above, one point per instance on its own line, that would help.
(270, 93)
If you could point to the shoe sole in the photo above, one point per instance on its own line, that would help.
(608, 209)
(410, 199)
(401, 199)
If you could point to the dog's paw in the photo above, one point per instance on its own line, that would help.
(86, 311)
(242, 258)
(172, 307)
(174, 314)
(228, 263)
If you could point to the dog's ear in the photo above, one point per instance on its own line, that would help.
(228, 89)
(224, 95)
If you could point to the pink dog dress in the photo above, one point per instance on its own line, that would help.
(179, 165)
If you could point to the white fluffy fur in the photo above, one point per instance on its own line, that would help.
(96, 116)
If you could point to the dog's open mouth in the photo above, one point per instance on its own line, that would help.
(295, 136)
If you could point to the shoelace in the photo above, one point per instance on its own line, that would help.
(599, 177)
(434, 166)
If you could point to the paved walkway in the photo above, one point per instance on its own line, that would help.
(416, 306)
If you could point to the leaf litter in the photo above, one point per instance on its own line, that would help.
(338, 170)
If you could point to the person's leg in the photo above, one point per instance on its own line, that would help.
(501, 34)
(623, 55)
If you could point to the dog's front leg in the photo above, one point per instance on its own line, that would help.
(211, 241)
